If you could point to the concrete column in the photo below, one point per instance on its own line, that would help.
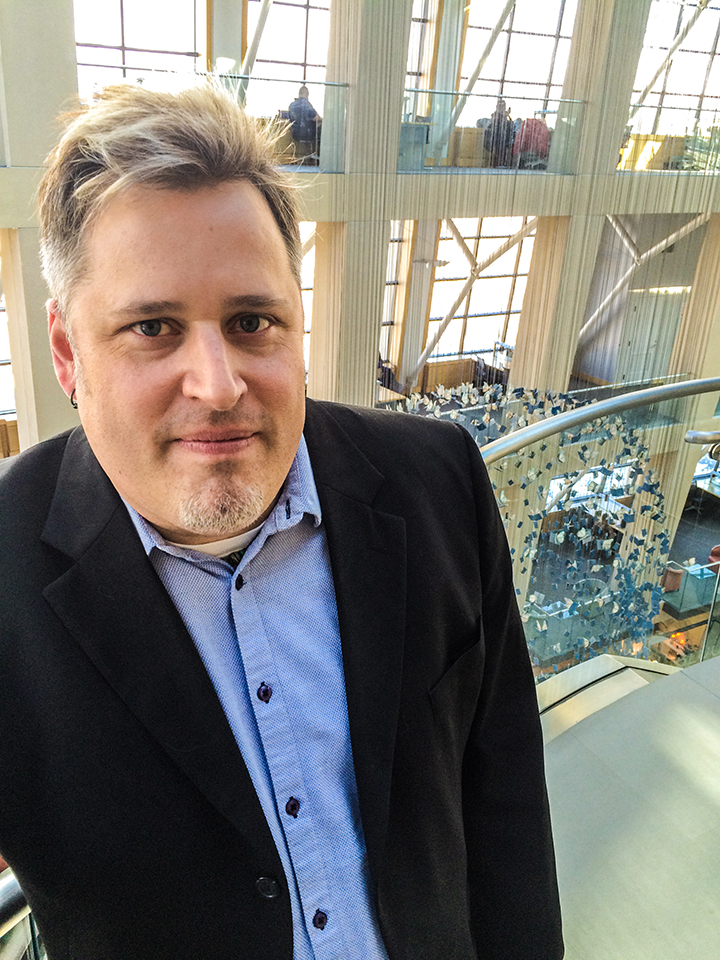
(421, 279)
(38, 79)
(537, 356)
(368, 52)
(227, 38)
(696, 352)
(349, 287)
(606, 45)
(43, 409)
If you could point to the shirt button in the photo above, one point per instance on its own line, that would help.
(239, 582)
(292, 807)
(264, 692)
(267, 888)
(320, 920)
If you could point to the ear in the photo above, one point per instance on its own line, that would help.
(62, 354)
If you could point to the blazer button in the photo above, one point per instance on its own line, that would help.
(267, 888)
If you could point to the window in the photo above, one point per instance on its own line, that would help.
(489, 312)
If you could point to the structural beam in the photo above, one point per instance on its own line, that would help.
(589, 327)
(467, 286)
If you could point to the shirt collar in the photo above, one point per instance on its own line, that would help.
(298, 498)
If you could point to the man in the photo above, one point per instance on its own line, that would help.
(304, 124)
(265, 693)
(498, 136)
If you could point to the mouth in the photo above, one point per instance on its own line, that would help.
(212, 443)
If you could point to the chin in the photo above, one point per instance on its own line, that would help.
(222, 513)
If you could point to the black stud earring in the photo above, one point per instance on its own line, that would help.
(73, 401)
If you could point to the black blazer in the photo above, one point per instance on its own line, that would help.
(126, 810)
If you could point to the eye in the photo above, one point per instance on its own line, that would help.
(150, 328)
(252, 323)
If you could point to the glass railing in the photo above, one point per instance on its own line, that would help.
(19, 938)
(686, 140)
(593, 496)
(442, 130)
(304, 141)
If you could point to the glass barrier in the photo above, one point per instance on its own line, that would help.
(310, 130)
(595, 392)
(591, 513)
(22, 942)
(442, 130)
(671, 139)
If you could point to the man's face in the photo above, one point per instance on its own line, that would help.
(187, 356)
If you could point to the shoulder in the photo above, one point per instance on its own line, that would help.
(369, 426)
(35, 467)
(412, 452)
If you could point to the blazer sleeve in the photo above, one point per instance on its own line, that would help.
(514, 902)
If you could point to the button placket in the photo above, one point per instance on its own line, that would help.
(277, 734)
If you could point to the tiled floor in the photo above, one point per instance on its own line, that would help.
(635, 796)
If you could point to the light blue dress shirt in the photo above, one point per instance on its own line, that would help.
(272, 650)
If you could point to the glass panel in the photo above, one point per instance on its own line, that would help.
(485, 13)
(100, 56)
(388, 311)
(175, 63)
(441, 130)
(490, 295)
(481, 333)
(514, 319)
(536, 17)
(318, 36)
(93, 78)
(97, 22)
(687, 73)
(526, 254)
(444, 295)
(7, 389)
(518, 295)
(501, 226)
(457, 263)
(160, 24)
(561, 61)
(503, 265)
(4, 337)
(674, 126)
(450, 340)
(284, 35)
(569, 17)
(529, 57)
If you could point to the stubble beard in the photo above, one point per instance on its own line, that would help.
(222, 508)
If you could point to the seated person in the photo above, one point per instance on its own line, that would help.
(304, 120)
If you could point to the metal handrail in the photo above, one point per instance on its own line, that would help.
(505, 446)
(13, 906)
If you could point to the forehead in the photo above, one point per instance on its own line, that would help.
(147, 221)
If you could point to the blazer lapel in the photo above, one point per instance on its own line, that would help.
(368, 558)
(114, 605)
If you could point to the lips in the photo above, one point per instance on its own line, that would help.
(217, 436)
(214, 442)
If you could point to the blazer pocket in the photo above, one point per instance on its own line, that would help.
(454, 697)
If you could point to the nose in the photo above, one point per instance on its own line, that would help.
(212, 373)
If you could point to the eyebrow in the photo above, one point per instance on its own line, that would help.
(155, 308)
